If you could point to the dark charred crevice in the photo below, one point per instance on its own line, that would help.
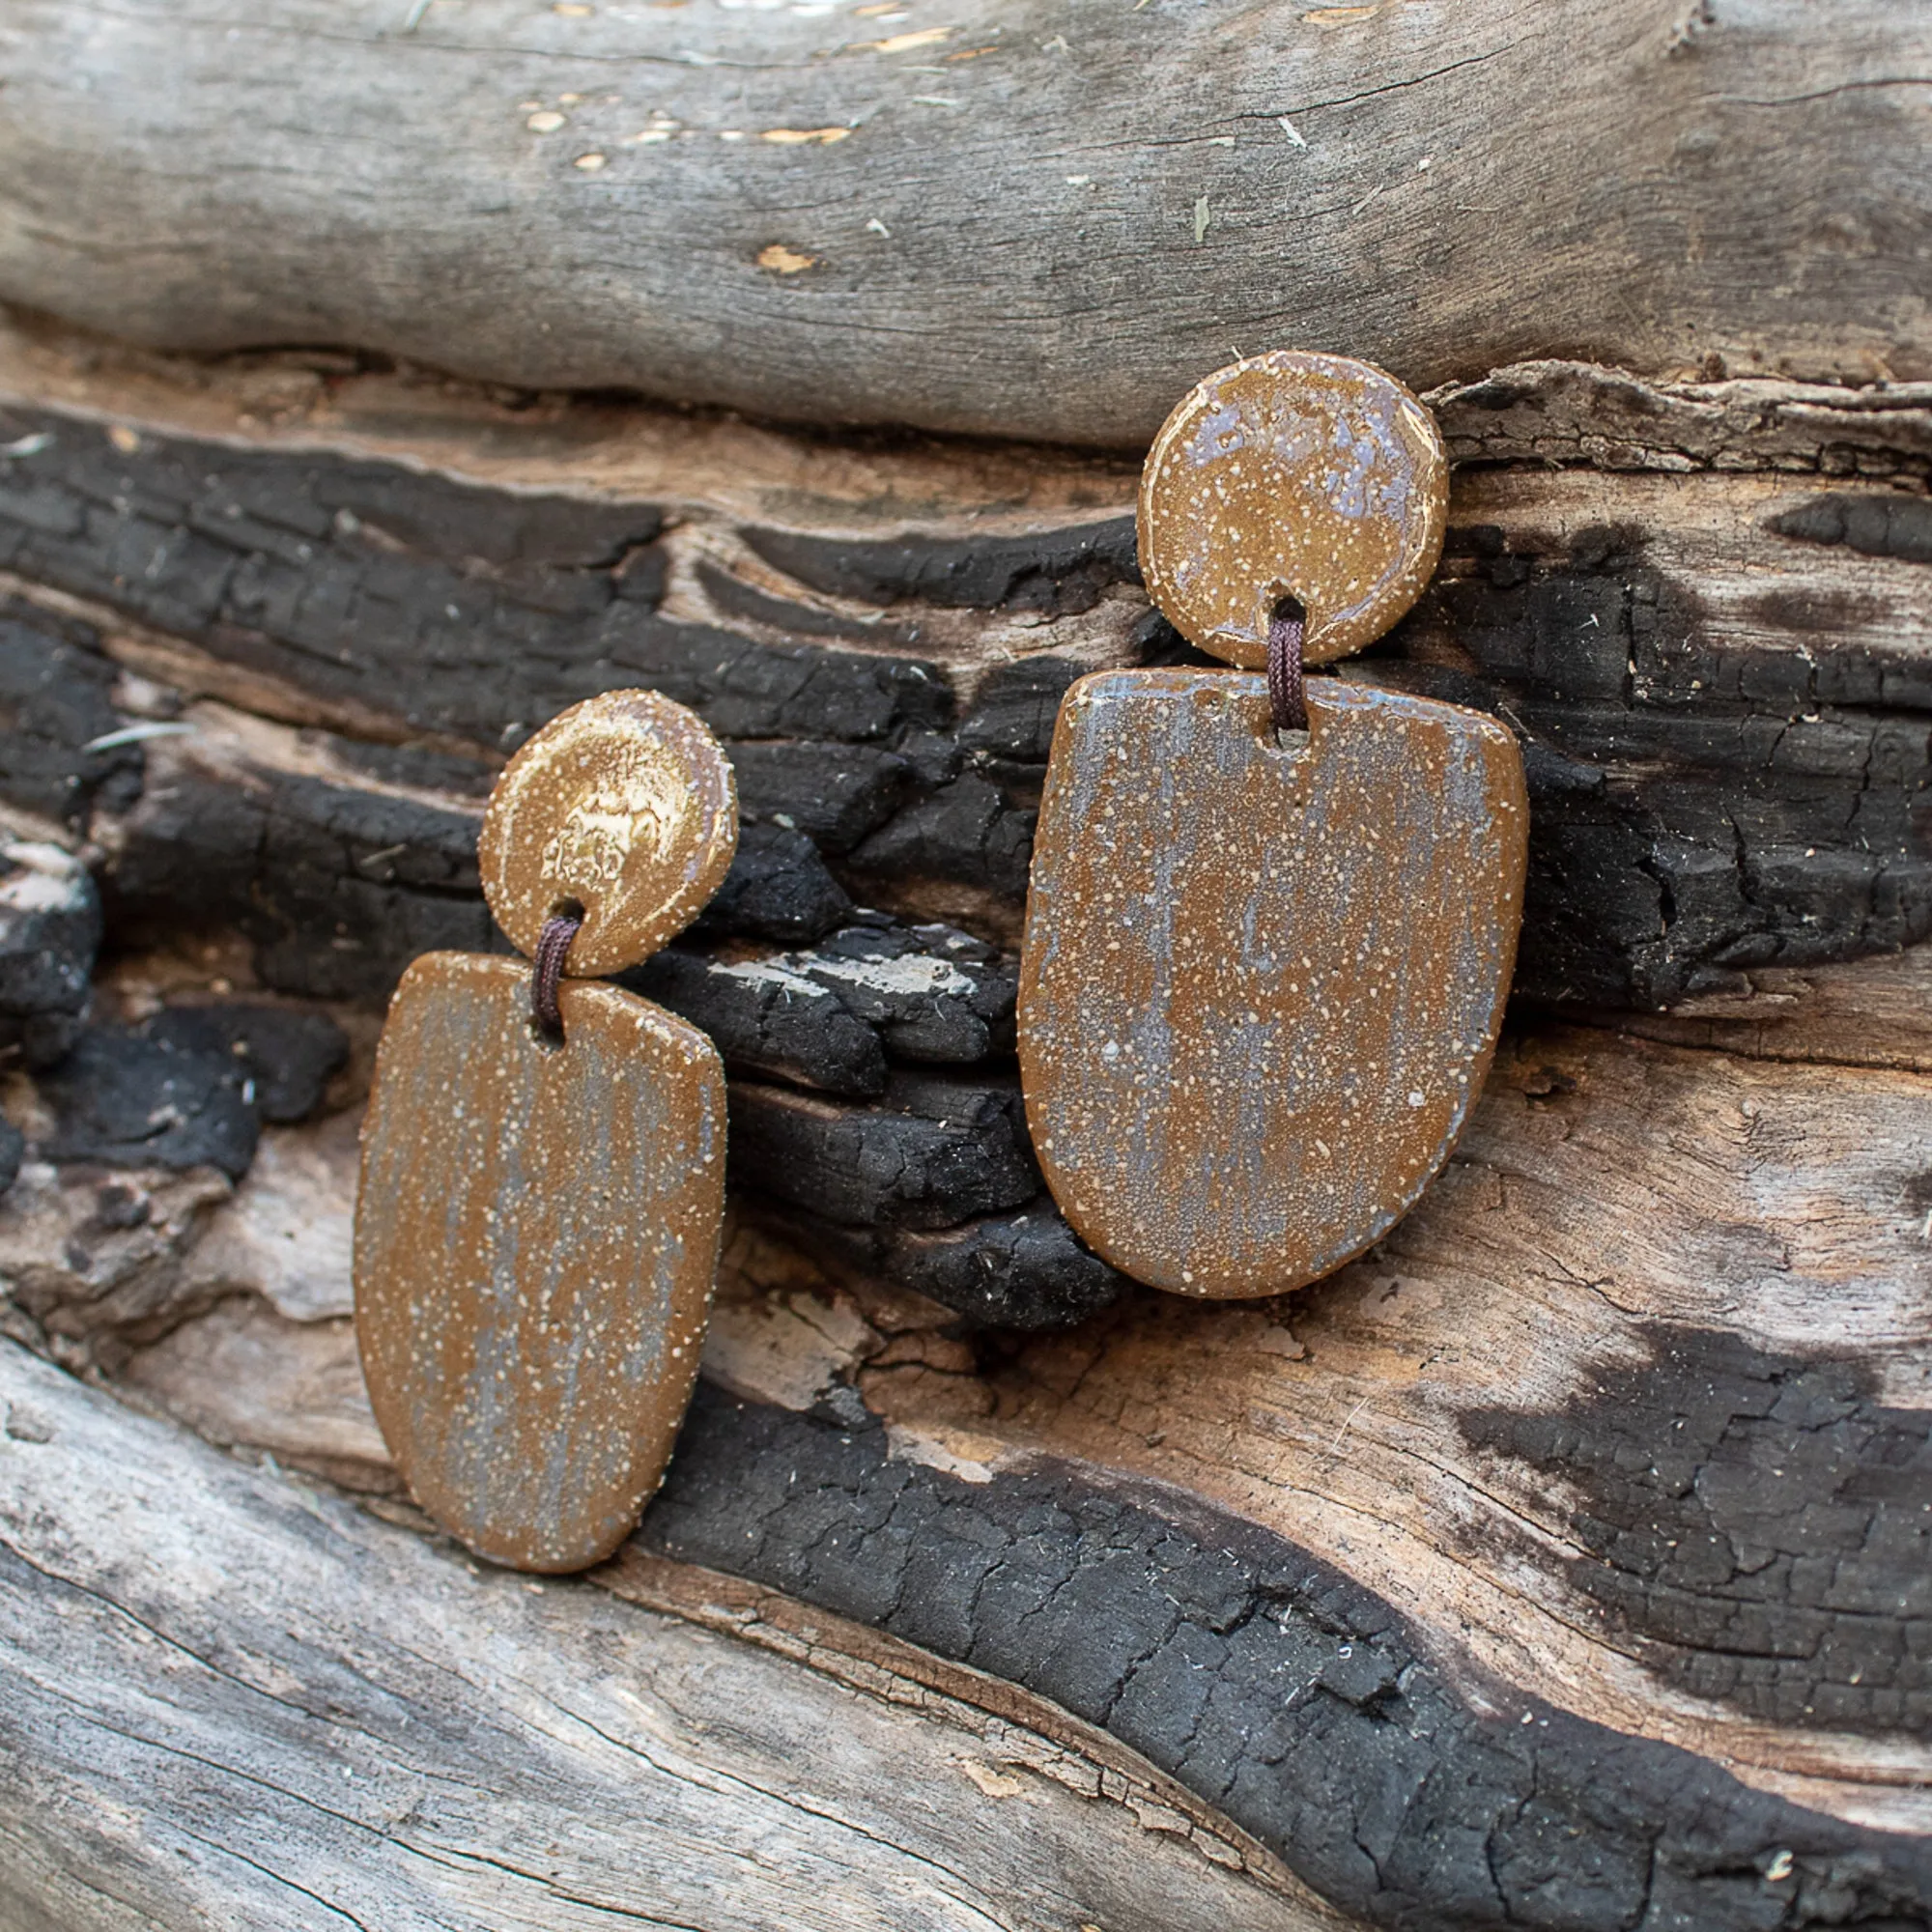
(1058, 572)
(1665, 762)
(341, 862)
(56, 700)
(1688, 796)
(1756, 1527)
(1299, 1702)
(462, 610)
(1891, 525)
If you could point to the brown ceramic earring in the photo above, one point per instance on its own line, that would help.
(1271, 925)
(543, 1158)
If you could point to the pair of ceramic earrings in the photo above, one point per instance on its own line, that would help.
(1270, 934)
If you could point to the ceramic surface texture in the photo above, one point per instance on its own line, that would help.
(624, 804)
(535, 1240)
(1291, 474)
(1261, 986)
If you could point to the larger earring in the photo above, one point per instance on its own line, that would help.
(1271, 927)
(543, 1157)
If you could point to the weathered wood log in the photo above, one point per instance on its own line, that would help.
(1028, 223)
(1467, 1427)
(376, 1732)
(1713, 790)
(339, 917)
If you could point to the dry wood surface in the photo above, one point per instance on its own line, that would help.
(1044, 220)
(272, 1710)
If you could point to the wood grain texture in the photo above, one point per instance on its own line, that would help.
(826, 607)
(1044, 223)
(1445, 1448)
(1261, 983)
(1291, 476)
(536, 1231)
(233, 1699)
(1724, 723)
(1634, 1245)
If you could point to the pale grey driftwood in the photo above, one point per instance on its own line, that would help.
(1042, 220)
(228, 1699)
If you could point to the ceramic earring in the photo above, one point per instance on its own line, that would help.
(543, 1158)
(1271, 927)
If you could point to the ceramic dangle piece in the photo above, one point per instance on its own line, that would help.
(1263, 973)
(537, 1222)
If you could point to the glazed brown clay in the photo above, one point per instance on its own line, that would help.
(624, 804)
(537, 1222)
(1291, 474)
(535, 1237)
(1261, 986)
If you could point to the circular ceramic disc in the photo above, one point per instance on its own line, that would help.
(624, 804)
(1291, 476)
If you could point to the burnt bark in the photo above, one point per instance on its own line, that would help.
(1296, 1701)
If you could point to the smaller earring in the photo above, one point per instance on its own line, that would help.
(543, 1157)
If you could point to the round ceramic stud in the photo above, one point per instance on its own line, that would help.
(1315, 477)
(623, 805)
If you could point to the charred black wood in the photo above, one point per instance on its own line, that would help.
(342, 861)
(284, 1056)
(778, 888)
(1695, 809)
(1295, 1700)
(189, 1087)
(767, 1019)
(341, 883)
(1026, 1272)
(463, 610)
(935, 993)
(339, 886)
(50, 931)
(56, 703)
(1058, 572)
(416, 767)
(1899, 527)
(1700, 806)
(122, 1098)
(936, 1152)
(1752, 1526)
(1015, 708)
(968, 830)
(829, 1017)
(834, 793)
(731, 597)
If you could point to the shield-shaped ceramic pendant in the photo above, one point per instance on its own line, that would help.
(543, 1164)
(1264, 970)
(1260, 986)
(535, 1240)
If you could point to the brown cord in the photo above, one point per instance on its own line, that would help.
(1286, 629)
(552, 947)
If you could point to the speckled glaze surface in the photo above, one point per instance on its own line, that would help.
(1292, 474)
(627, 805)
(536, 1235)
(1260, 986)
